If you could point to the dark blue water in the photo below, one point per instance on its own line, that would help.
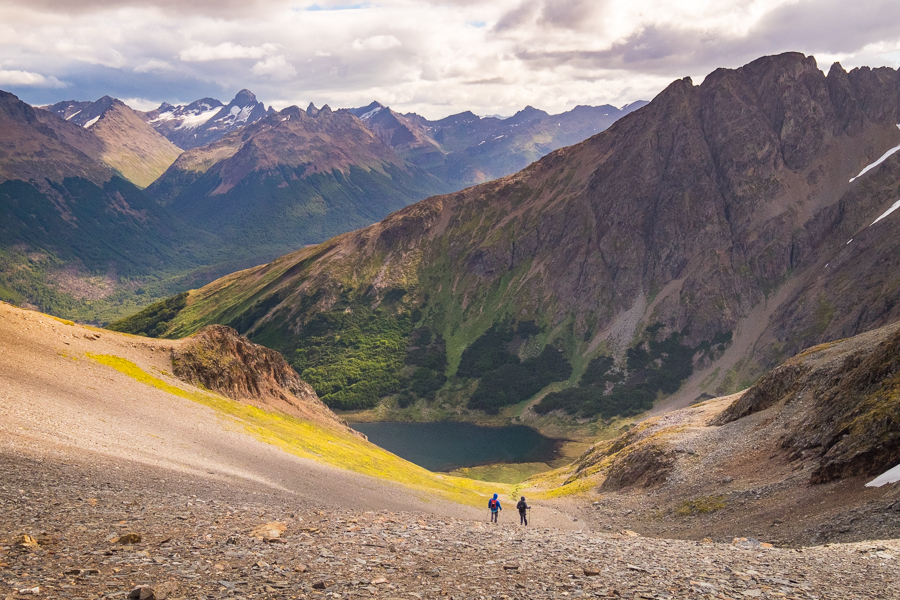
(445, 446)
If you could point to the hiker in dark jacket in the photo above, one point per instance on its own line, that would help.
(523, 516)
(494, 505)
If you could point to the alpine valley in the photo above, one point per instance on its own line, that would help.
(678, 255)
(111, 208)
(701, 303)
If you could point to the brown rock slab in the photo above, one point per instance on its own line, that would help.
(269, 531)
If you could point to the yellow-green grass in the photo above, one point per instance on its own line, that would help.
(505, 473)
(308, 440)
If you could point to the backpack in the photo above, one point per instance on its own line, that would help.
(492, 504)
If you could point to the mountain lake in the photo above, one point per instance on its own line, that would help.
(444, 446)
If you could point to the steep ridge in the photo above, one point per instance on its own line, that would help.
(72, 227)
(293, 178)
(217, 358)
(38, 146)
(130, 147)
(786, 461)
(689, 237)
(206, 120)
(465, 149)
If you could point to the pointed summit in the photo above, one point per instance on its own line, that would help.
(206, 120)
(244, 98)
(311, 110)
(367, 112)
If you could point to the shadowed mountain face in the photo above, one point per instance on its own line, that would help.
(465, 149)
(206, 120)
(719, 214)
(293, 178)
(129, 146)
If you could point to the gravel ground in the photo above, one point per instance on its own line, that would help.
(89, 456)
(195, 538)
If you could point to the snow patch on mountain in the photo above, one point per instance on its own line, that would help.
(371, 114)
(190, 121)
(893, 207)
(890, 476)
(883, 158)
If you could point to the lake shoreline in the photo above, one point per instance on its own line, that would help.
(446, 446)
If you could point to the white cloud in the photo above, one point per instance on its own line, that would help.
(141, 104)
(435, 57)
(376, 42)
(153, 66)
(199, 52)
(26, 78)
(274, 67)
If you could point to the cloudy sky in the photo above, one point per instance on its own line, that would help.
(434, 57)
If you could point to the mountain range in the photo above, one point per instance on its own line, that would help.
(465, 149)
(290, 179)
(206, 120)
(73, 229)
(682, 252)
(250, 185)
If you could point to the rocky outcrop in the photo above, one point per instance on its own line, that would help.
(217, 358)
(840, 405)
(646, 465)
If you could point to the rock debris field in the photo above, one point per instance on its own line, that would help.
(74, 531)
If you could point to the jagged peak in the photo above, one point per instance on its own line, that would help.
(244, 98)
(311, 110)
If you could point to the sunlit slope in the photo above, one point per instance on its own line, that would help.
(74, 389)
(318, 443)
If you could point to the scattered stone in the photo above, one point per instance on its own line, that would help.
(269, 531)
(128, 539)
(29, 591)
(26, 541)
(142, 593)
(165, 590)
(454, 558)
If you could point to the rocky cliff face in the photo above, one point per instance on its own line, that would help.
(840, 403)
(219, 359)
(719, 212)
